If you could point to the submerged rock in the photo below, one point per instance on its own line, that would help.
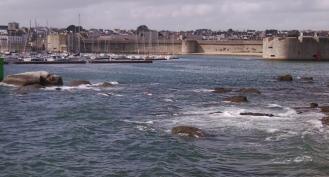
(106, 85)
(256, 114)
(222, 90)
(249, 91)
(188, 131)
(287, 77)
(314, 105)
(237, 99)
(76, 83)
(30, 78)
(307, 78)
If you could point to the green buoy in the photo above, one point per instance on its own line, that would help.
(1, 69)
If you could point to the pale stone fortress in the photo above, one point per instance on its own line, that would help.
(296, 48)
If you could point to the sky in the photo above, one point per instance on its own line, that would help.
(170, 14)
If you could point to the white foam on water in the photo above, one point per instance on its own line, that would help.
(138, 122)
(68, 88)
(274, 106)
(272, 130)
(7, 85)
(289, 113)
(285, 124)
(203, 90)
(298, 159)
(144, 128)
(104, 94)
(304, 158)
(101, 83)
(283, 135)
(95, 87)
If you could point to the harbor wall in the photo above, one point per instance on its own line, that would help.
(296, 48)
(131, 47)
(173, 47)
(230, 47)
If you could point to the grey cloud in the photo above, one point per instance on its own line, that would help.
(171, 14)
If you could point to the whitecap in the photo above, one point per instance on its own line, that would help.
(304, 158)
(69, 88)
(104, 94)
(289, 113)
(203, 90)
(138, 122)
(274, 106)
(168, 100)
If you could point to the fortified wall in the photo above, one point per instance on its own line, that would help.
(174, 47)
(296, 48)
(130, 47)
(223, 47)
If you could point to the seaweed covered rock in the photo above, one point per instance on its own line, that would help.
(249, 91)
(287, 78)
(222, 90)
(314, 105)
(188, 131)
(237, 99)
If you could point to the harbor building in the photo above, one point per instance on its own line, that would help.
(57, 42)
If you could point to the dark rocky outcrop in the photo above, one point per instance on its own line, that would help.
(249, 91)
(256, 114)
(314, 105)
(222, 90)
(237, 99)
(287, 77)
(325, 121)
(51, 80)
(188, 131)
(30, 78)
(76, 83)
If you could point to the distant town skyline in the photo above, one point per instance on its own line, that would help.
(170, 14)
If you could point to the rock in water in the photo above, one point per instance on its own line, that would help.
(31, 78)
(76, 83)
(188, 131)
(307, 78)
(249, 91)
(106, 85)
(256, 114)
(325, 109)
(314, 105)
(222, 90)
(237, 99)
(287, 77)
(325, 121)
(51, 80)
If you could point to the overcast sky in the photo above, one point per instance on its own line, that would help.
(171, 14)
